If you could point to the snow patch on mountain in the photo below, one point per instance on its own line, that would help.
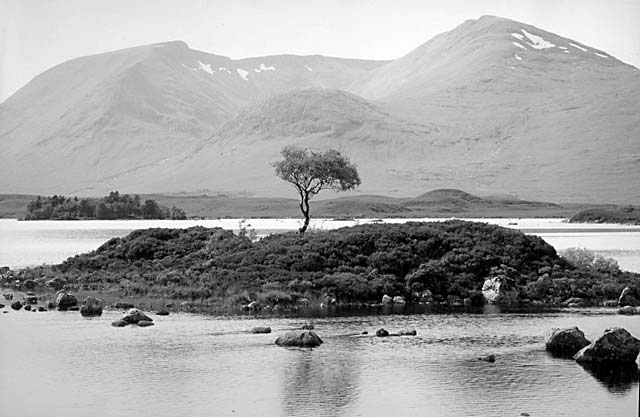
(600, 55)
(518, 45)
(224, 69)
(518, 57)
(518, 36)
(242, 73)
(537, 42)
(578, 47)
(308, 68)
(562, 47)
(263, 67)
(205, 67)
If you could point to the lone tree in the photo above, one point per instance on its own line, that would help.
(311, 172)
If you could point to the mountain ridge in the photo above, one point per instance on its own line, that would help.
(494, 105)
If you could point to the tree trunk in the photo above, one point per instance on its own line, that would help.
(304, 207)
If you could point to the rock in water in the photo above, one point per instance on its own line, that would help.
(91, 307)
(500, 290)
(305, 338)
(162, 313)
(616, 345)
(382, 333)
(261, 329)
(64, 301)
(16, 306)
(145, 323)
(398, 299)
(489, 358)
(134, 316)
(565, 342)
(408, 332)
(120, 323)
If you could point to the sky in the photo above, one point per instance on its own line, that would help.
(38, 34)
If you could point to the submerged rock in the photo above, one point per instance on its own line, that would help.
(64, 301)
(489, 358)
(120, 323)
(305, 338)
(565, 342)
(91, 307)
(261, 329)
(629, 310)
(134, 316)
(408, 332)
(616, 345)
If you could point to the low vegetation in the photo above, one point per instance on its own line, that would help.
(448, 260)
(114, 206)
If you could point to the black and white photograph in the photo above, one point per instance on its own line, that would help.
(319, 208)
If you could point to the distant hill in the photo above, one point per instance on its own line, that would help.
(494, 106)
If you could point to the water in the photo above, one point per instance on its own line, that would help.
(60, 364)
(33, 243)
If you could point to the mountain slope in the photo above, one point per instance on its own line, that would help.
(493, 106)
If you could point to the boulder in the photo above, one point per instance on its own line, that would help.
(408, 332)
(16, 306)
(123, 305)
(120, 323)
(627, 299)
(64, 301)
(56, 283)
(565, 342)
(27, 307)
(616, 345)
(629, 311)
(91, 307)
(500, 290)
(134, 316)
(261, 329)
(398, 299)
(489, 358)
(304, 338)
(386, 299)
(162, 313)
(145, 323)
(382, 333)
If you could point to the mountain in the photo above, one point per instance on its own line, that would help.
(494, 106)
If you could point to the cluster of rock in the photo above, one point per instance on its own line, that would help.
(615, 346)
(133, 316)
(404, 332)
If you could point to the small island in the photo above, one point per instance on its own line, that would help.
(451, 263)
(618, 215)
(115, 206)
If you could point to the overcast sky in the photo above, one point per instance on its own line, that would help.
(38, 34)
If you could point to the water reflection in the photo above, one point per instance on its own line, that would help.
(618, 379)
(318, 382)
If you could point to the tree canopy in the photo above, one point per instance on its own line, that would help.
(311, 172)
